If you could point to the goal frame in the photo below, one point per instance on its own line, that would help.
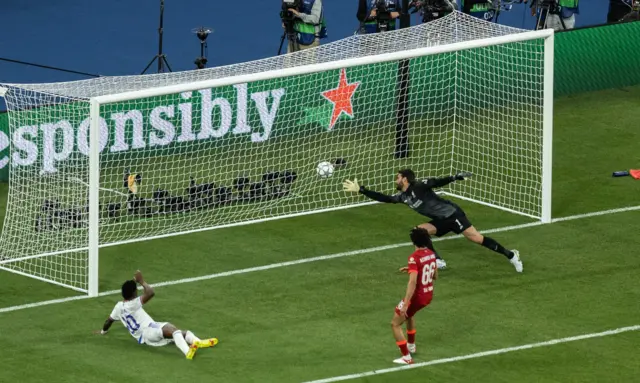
(97, 102)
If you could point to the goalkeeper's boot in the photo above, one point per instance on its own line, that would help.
(515, 261)
(192, 351)
(441, 264)
(404, 360)
(206, 343)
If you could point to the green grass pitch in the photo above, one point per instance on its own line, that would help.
(331, 318)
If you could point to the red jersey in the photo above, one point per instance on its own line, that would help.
(423, 262)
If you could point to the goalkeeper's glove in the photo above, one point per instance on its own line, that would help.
(351, 186)
(462, 176)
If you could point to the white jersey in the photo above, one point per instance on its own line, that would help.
(132, 316)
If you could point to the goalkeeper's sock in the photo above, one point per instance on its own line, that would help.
(491, 244)
(191, 338)
(411, 337)
(180, 342)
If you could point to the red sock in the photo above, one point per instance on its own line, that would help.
(411, 335)
(403, 347)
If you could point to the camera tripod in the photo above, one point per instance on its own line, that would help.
(161, 57)
(290, 35)
(545, 9)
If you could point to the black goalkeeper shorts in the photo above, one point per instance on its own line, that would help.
(457, 223)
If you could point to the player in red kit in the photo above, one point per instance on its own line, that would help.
(422, 270)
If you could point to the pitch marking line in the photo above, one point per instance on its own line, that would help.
(480, 354)
(315, 259)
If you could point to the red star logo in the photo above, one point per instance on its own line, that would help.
(341, 97)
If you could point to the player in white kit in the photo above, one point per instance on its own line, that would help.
(143, 328)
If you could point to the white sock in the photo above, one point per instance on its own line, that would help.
(180, 342)
(191, 338)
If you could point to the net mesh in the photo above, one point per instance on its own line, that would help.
(234, 154)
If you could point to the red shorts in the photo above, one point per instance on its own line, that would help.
(414, 307)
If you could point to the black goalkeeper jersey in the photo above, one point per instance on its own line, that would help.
(421, 198)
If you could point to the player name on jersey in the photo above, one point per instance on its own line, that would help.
(427, 258)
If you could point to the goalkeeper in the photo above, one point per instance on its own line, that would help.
(445, 215)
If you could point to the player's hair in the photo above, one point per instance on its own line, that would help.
(421, 238)
(408, 174)
(129, 289)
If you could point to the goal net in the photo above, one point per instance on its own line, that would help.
(196, 150)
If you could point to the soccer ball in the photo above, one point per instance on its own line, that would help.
(324, 169)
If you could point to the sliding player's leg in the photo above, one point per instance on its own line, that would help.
(411, 335)
(170, 331)
(162, 334)
(206, 343)
(190, 337)
(513, 255)
(432, 228)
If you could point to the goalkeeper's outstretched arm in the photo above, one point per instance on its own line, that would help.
(374, 195)
(444, 181)
(353, 186)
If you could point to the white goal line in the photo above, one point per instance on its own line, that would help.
(482, 354)
(243, 223)
(316, 259)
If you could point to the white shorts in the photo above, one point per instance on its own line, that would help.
(152, 335)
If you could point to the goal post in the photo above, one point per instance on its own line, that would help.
(116, 160)
(94, 199)
(547, 128)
